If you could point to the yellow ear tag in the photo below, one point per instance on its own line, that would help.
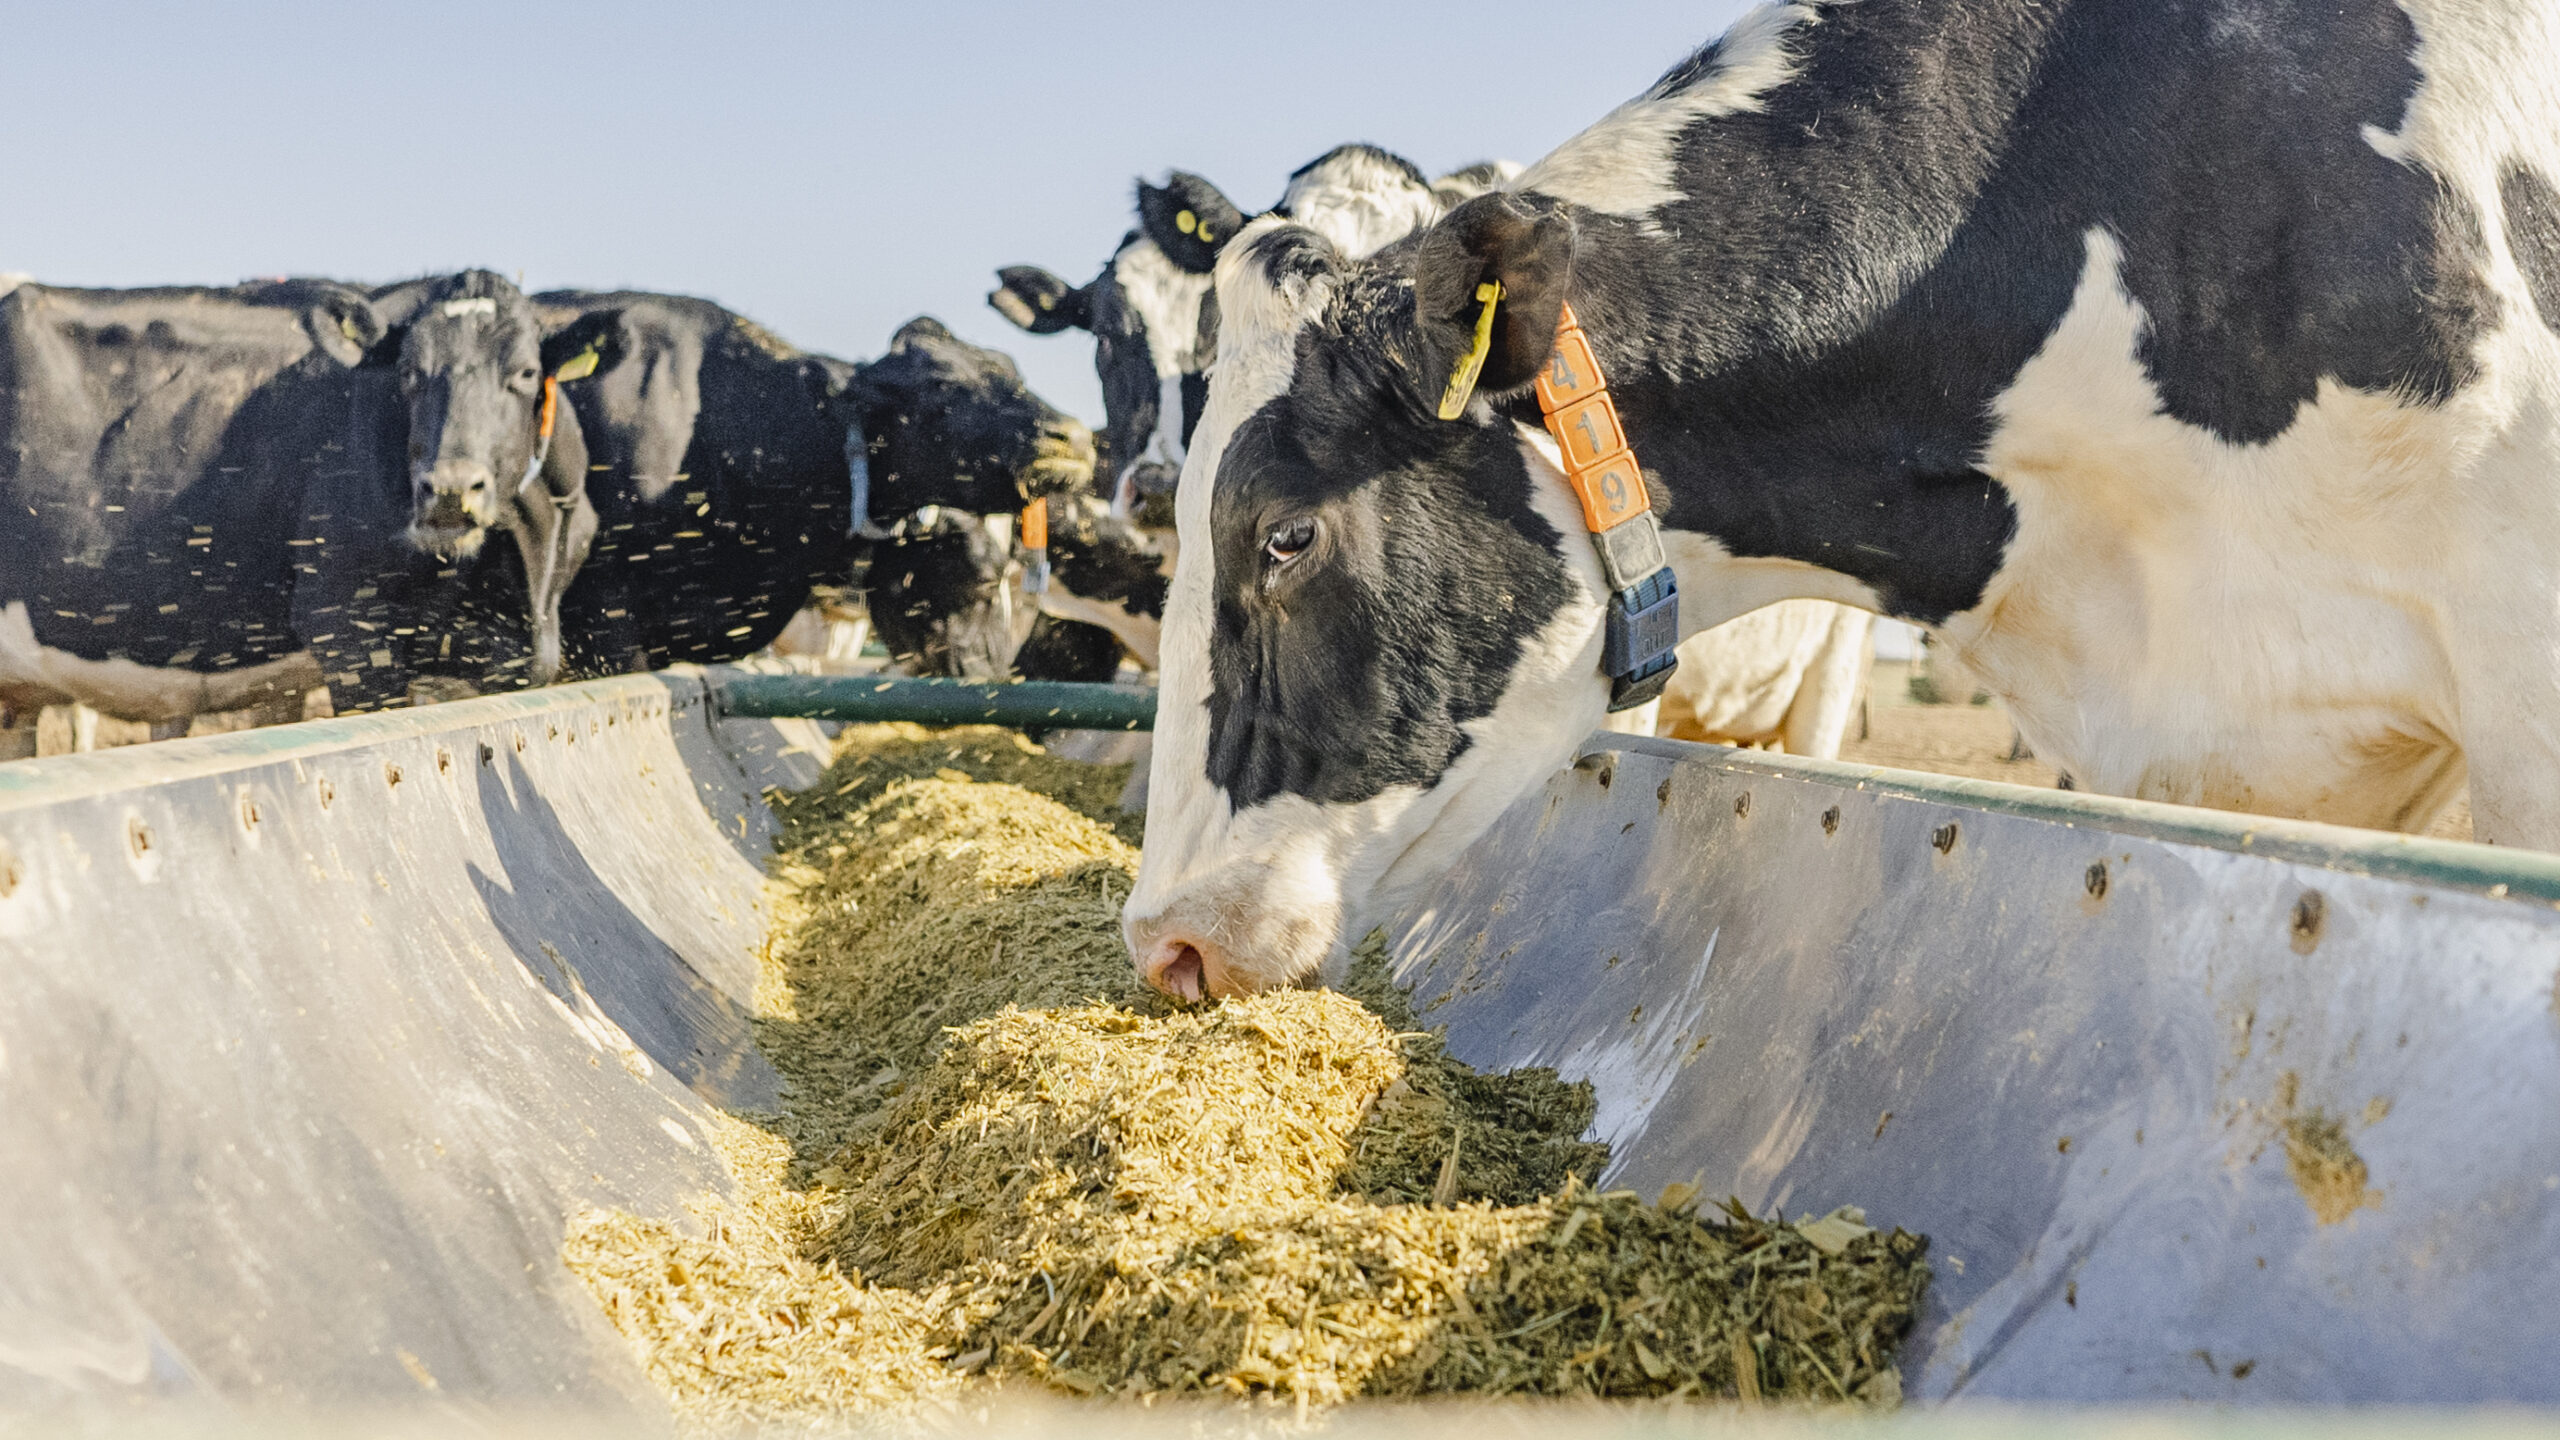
(1205, 237)
(1462, 381)
(1186, 222)
(577, 369)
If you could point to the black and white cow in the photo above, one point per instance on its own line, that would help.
(2187, 366)
(733, 472)
(1154, 321)
(218, 479)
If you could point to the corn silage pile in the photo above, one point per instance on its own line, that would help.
(998, 1159)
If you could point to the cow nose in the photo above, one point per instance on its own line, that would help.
(1069, 438)
(1188, 968)
(1063, 457)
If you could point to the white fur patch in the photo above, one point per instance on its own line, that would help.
(1359, 202)
(478, 305)
(1623, 164)
(2250, 627)
(1166, 299)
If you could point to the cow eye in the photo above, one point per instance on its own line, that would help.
(1288, 540)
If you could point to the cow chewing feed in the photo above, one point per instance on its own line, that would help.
(732, 472)
(2209, 414)
(216, 479)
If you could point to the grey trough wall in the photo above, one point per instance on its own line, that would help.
(2111, 1057)
(311, 1038)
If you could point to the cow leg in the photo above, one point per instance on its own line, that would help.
(1817, 720)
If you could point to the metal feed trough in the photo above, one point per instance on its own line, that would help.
(314, 1036)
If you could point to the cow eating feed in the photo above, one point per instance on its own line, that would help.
(2189, 369)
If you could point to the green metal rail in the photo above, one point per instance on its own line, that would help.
(1033, 704)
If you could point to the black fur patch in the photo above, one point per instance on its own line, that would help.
(1354, 667)
(1865, 263)
(2532, 207)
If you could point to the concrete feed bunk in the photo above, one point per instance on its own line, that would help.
(317, 1037)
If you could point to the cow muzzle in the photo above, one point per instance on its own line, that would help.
(1062, 458)
(1204, 948)
(452, 508)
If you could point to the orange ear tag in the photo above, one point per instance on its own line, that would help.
(1035, 524)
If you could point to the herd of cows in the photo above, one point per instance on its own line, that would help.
(2190, 368)
(225, 497)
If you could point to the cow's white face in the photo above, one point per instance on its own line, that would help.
(1386, 628)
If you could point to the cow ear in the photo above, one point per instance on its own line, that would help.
(345, 325)
(1040, 302)
(1496, 239)
(1188, 219)
(584, 346)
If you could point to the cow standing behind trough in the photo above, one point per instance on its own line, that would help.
(216, 479)
(2212, 417)
(732, 473)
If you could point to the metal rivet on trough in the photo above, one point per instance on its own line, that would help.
(2310, 916)
(1742, 805)
(553, 732)
(444, 761)
(249, 816)
(519, 742)
(328, 792)
(10, 875)
(2096, 880)
(1662, 792)
(488, 754)
(1831, 821)
(391, 775)
(137, 837)
(1943, 839)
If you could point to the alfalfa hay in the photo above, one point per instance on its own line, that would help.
(1005, 1163)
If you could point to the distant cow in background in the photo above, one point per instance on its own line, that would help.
(1153, 321)
(217, 479)
(733, 473)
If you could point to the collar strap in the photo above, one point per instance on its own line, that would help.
(1034, 532)
(548, 417)
(1644, 599)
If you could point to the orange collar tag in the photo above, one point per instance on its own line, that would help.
(1035, 538)
(1642, 626)
(1584, 420)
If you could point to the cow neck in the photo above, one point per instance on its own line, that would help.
(1642, 630)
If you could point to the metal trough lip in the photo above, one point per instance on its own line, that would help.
(2493, 870)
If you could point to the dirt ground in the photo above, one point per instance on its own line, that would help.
(1976, 741)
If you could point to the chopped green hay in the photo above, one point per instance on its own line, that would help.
(999, 1159)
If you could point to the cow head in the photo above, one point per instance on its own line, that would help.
(1154, 326)
(941, 597)
(1153, 316)
(945, 422)
(1387, 626)
(471, 375)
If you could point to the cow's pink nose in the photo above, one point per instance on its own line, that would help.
(1184, 969)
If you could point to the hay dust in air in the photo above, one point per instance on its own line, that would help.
(1000, 1162)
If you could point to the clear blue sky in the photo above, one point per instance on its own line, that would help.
(827, 169)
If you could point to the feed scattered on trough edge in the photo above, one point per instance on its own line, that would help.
(1111, 1195)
